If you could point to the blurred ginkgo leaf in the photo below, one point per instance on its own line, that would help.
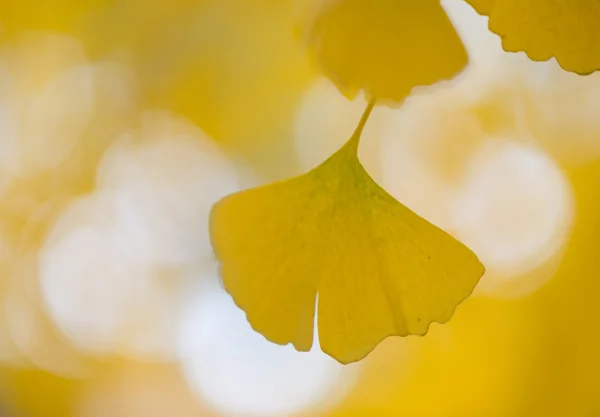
(379, 269)
(386, 47)
(567, 30)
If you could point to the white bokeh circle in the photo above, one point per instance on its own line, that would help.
(515, 208)
(511, 204)
(240, 373)
(112, 267)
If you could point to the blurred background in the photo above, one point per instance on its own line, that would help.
(123, 121)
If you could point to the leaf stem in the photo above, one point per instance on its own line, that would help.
(355, 139)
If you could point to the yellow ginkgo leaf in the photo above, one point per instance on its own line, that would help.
(386, 47)
(378, 268)
(568, 30)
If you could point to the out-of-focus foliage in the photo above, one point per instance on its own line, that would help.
(372, 46)
(112, 114)
(60, 16)
(208, 60)
(564, 29)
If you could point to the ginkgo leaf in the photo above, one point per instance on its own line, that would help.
(567, 30)
(378, 268)
(386, 47)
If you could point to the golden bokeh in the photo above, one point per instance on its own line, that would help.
(123, 122)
